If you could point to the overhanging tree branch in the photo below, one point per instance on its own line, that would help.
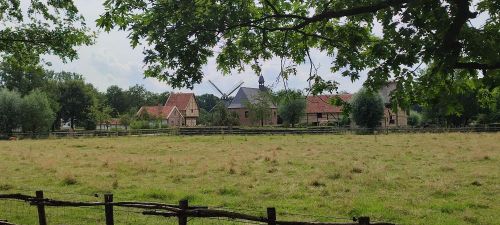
(477, 66)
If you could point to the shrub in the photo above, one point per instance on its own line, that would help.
(140, 124)
(367, 108)
(415, 119)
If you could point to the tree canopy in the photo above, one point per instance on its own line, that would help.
(387, 38)
(41, 28)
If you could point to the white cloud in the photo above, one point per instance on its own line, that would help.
(111, 61)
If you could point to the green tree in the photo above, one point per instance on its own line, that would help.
(37, 114)
(126, 119)
(157, 98)
(439, 34)
(21, 79)
(10, 111)
(101, 114)
(221, 116)
(39, 28)
(75, 101)
(207, 101)
(292, 110)
(455, 101)
(260, 109)
(136, 97)
(367, 108)
(117, 99)
(285, 95)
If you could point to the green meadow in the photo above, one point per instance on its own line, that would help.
(400, 178)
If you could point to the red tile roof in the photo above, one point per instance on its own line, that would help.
(321, 103)
(157, 111)
(181, 100)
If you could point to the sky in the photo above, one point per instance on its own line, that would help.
(112, 61)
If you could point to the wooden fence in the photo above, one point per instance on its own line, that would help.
(254, 131)
(183, 211)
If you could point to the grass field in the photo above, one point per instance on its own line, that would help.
(405, 179)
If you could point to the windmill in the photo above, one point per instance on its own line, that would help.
(225, 96)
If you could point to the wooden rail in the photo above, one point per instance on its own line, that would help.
(254, 131)
(182, 211)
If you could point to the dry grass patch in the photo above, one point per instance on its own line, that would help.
(407, 179)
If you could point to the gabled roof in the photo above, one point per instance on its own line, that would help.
(158, 111)
(180, 100)
(320, 103)
(245, 95)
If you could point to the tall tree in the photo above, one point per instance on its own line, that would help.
(75, 101)
(37, 114)
(136, 97)
(10, 111)
(387, 38)
(117, 99)
(367, 108)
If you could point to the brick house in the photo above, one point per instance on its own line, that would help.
(320, 112)
(245, 95)
(186, 104)
(169, 115)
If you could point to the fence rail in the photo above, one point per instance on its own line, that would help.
(253, 131)
(183, 211)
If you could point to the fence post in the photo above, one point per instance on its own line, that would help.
(42, 219)
(108, 209)
(183, 205)
(364, 220)
(271, 216)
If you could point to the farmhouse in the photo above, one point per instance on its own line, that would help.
(186, 104)
(168, 115)
(391, 118)
(320, 112)
(251, 95)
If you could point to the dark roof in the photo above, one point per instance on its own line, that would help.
(320, 103)
(180, 100)
(245, 95)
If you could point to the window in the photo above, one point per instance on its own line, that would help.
(319, 115)
(392, 121)
(192, 110)
(274, 113)
(246, 114)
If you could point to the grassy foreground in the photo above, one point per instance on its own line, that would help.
(404, 179)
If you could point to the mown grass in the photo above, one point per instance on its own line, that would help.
(405, 179)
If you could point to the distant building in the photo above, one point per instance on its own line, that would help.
(391, 118)
(168, 115)
(186, 104)
(319, 111)
(250, 95)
